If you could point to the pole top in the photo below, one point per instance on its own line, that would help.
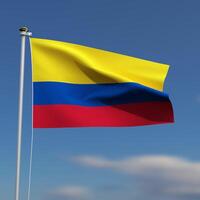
(24, 31)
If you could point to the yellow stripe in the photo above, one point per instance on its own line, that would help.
(71, 63)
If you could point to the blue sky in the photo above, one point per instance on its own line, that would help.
(106, 163)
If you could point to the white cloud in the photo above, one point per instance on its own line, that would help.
(71, 192)
(198, 98)
(93, 161)
(163, 176)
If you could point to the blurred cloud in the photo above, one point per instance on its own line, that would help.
(158, 177)
(70, 192)
(198, 98)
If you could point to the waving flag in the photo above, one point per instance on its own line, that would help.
(78, 86)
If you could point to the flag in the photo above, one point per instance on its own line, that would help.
(79, 86)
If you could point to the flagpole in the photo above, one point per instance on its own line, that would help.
(23, 32)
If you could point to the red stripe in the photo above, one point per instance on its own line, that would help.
(137, 114)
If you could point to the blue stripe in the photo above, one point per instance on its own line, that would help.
(46, 93)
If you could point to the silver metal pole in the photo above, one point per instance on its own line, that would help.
(23, 32)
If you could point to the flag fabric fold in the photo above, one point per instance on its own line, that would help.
(78, 86)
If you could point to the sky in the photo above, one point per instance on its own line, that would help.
(151, 162)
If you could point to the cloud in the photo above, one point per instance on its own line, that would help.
(198, 98)
(93, 161)
(157, 176)
(70, 192)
